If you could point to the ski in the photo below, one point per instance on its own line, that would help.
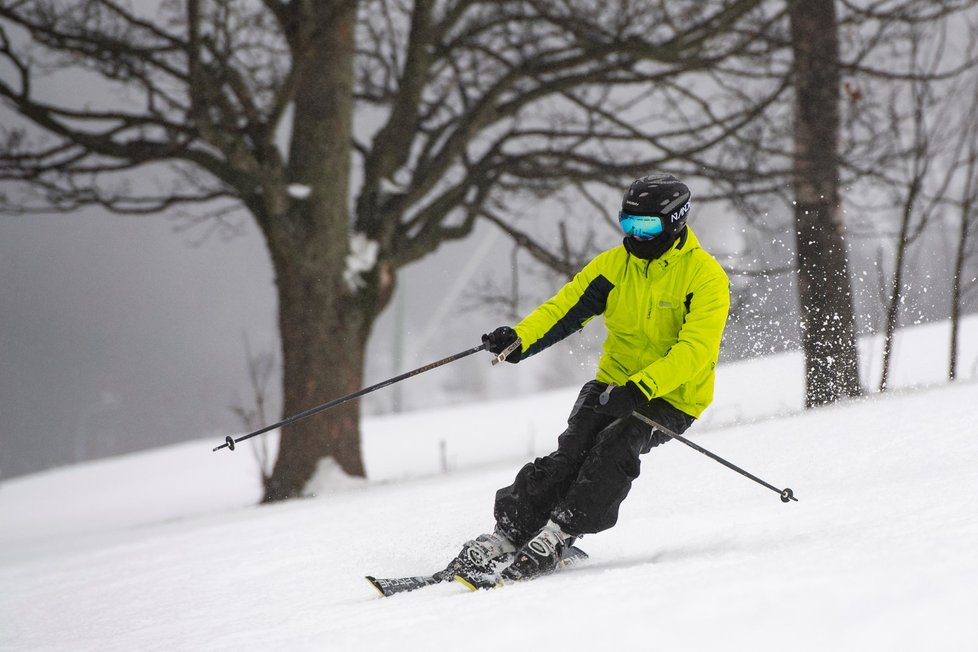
(570, 557)
(388, 586)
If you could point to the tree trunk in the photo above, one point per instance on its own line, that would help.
(824, 288)
(896, 287)
(952, 362)
(960, 257)
(324, 322)
(969, 202)
(892, 314)
(324, 336)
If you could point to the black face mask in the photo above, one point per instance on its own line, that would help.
(652, 248)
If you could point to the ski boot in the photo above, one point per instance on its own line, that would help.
(541, 555)
(484, 557)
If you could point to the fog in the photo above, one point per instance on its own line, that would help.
(116, 332)
(122, 333)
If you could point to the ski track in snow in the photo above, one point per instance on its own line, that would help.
(165, 550)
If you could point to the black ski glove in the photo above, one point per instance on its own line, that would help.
(499, 339)
(620, 400)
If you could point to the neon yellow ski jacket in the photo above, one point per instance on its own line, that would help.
(664, 317)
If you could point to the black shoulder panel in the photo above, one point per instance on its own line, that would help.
(592, 302)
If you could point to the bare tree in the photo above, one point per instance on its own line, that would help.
(930, 136)
(261, 369)
(828, 333)
(837, 50)
(427, 115)
(968, 224)
(904, 107)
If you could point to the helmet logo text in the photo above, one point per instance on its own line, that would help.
(678, 215)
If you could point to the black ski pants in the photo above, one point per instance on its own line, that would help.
(581, 485)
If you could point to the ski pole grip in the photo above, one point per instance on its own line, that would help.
(505, 352)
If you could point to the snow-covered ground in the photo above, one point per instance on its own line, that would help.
(166, 549)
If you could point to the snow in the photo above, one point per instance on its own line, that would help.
(299, 190)
(390, 187)
(166, 549)
(362, 258)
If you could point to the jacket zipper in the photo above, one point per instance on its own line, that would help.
(665, 263)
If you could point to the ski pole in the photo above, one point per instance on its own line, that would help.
(229, 441)
(786, 493)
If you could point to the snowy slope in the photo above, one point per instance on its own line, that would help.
(164, 550)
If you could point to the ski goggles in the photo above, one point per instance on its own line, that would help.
(642, 227)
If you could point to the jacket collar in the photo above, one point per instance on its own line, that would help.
(685, 244)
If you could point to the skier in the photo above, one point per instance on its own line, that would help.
(664, 300)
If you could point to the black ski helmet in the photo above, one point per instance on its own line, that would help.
(659, 194)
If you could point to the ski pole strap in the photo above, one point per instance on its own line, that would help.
(786, 494)
(505, 352)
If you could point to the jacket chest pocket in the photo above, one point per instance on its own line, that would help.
(664, 316)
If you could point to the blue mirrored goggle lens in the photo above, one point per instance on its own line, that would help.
(640, 226)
